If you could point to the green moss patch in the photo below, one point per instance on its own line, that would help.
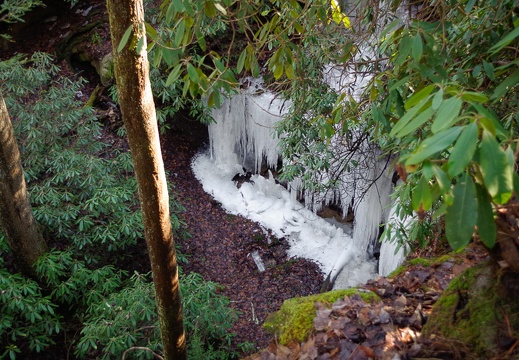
(468, 312)
(420, 261)
(294, 321)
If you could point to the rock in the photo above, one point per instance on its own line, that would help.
(400, 302)
(417, 319)
(105, 69)
(241, 178)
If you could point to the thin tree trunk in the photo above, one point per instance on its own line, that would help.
(16, 217)
(138, 110)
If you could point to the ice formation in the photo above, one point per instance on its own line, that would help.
(394, 254)
(243, 136)
(244, 129)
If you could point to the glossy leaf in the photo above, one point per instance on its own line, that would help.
(179, 32)
(289, 71)
(140, 44)
(511, 81)
(422, 199)
(419, 97)
(472, 96)
(504, 41)
(463, 150)
(241, 61)
(124, 39)
(446, 114)
(173, 75)
(434, 145)
(437, 99)
(418, 121)
(461, 216)
(408, 116)
(417, 47)
(193, 74)
(486, 224)
(495, 169)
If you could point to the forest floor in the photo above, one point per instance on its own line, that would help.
(220, 246)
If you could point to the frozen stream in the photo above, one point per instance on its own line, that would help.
(243, 137)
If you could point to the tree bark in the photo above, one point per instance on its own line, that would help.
(16, 216)
(139, 117)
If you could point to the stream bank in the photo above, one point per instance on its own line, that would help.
(221, 244)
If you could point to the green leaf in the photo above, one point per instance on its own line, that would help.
(200, 38)
(241, 61)
(278, 71)
(140, 44)
(174, 7)
(209, 9)
(471, 96)
(504, 41)
(418, 97)
(410, 114)
(404, 50)
(393, 24)
(463, 150)
(179, 32)
(487, 114)
(442, 178)
(379, 117)
(489, 70)
(124, 39)
(461, 216)
(469, 6)
(437, 99)
(210, 99)
(422, 199)
(417, 47)
(508, 83)
(151, 32)
(399, 83)
(447, 114)
(173, 75)
(418, 121)
(495, 168)
(193, 74)
(486, 224)
(289, 71)
(434, 145)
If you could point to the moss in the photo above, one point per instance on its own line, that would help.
(466, 312)
(294, 321)
(420, 261)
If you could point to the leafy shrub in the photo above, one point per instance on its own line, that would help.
(448, 94)
(82, 192)
(72, 283)
(26, 315)
(128, 319)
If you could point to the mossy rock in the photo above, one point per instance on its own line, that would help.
(471, 311)
(421, 261)
(294, 321)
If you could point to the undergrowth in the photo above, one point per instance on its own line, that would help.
(84, 197)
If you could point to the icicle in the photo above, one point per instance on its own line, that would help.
(244, 129)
